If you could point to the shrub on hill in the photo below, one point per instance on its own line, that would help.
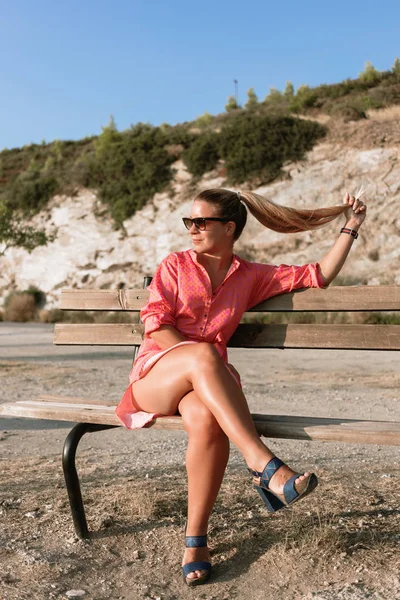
(129, 168)
(348, 111)
(203, 154)
(256, 146)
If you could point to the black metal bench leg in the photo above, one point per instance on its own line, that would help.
(71, 475)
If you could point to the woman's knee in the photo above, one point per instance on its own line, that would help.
(197, 418)
(206, 356)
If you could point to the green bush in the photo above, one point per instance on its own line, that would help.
(203, 154)
(396, 69)
(304, 98)
(370, 75)
(129, 168)
(204, 120)
(256, 146)
(348, 111)
(231, 104)
(31, 191)
(252, 100)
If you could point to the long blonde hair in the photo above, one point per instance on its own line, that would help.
(283, 219)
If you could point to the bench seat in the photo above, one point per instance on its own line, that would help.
(84, 410)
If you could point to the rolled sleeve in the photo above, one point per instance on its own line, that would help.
(270, 280)
(160, 308)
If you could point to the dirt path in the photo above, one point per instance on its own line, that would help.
(342, 543)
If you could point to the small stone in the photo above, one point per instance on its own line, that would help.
(75, 593)
(71, 540)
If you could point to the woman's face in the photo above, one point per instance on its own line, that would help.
(217, 236)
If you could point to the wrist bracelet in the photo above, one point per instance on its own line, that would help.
(351, 232)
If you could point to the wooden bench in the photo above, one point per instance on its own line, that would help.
(96, 415)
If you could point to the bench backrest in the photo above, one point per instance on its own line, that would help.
(250, 335)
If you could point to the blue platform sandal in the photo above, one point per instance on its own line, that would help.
(196, 541)
(291, 494)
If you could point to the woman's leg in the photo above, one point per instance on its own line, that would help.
(199, 367)
(206, 459)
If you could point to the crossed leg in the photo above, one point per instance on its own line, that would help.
(194, 379)
(199, 368)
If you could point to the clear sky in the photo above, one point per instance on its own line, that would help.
(67, 66)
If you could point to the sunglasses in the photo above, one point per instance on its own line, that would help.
(200, 222)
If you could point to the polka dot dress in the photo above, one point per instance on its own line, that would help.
(181, 296)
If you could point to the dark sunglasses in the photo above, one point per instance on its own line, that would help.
(200, 222)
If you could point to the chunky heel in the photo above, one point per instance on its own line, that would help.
(271, 502)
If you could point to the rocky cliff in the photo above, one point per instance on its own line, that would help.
(89, 252)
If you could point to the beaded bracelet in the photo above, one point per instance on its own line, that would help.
(350, 232)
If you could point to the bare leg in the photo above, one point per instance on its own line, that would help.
(206, 459)
(198, 367)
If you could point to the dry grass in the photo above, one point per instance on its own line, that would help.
(21, 308)
(383, 115)
(347, 532)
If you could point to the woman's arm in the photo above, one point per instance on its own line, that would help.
(331, 264)
(166, 336)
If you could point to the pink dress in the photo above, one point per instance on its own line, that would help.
(181, 296)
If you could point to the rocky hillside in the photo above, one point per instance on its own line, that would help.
(89, 252)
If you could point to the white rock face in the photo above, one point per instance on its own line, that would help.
(89, 253)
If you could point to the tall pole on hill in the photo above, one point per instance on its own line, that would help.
(235, 81)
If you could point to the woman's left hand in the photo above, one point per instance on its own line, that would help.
(356, 211)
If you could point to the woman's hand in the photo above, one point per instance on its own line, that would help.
(331, 264)
(355, 213)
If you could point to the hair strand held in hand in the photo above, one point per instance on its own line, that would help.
(283, 219)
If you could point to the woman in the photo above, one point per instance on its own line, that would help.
(197, 298)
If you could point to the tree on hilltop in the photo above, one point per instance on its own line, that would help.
(370, 75)
(396, 68)
(252, 100)
(231, 104)
(289, 90)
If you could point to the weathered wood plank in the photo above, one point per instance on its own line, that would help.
(75, 400)
(103, 299)
(345, 337)
(336, 298)
(275, 426)
(362, 337)
(115, 334)
(74, 414)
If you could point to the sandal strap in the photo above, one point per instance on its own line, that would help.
(199, 565)
(289, 491)
(270, 469)
(196, 541)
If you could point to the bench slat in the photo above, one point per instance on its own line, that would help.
(362, 337)
(103, 299)
(275, 426)
(346, 337)
(75, 400)
(336, 298)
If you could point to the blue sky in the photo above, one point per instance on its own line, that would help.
(66, 67)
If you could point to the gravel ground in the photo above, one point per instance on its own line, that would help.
(342, 544)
